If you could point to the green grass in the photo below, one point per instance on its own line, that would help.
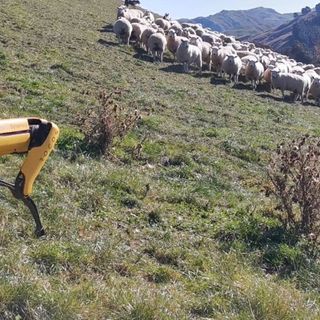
(183, 231)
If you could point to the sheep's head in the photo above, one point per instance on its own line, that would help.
(186, 33)
(230, 58)
(316, 82)
(215, 51)
(195, 40)
(121, 11)
(275, 73)
(185, 43)
(252, 64)
(172, 34)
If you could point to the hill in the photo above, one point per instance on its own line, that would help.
(243, 22)
(300, 38)
(171, 224)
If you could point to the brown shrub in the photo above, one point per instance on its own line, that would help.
(102, 124)
(294, 172)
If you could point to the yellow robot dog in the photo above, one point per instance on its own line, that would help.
(33, 136)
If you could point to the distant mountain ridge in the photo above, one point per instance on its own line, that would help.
(300, 38)
(243, 22)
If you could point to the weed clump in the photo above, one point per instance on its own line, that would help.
(294, 172)
(102, 124)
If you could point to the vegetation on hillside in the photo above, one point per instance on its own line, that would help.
(173, 222)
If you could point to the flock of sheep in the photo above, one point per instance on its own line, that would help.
(191, 44)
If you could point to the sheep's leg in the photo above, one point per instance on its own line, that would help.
(161, 56)
(185, 67)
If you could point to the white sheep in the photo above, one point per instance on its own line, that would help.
(189, 54)
(146, 34)
(157, 45)
(129, 14)
(315, 90)
(242, 54)
(123, 29)
(218, 55)
(148, 15)
(254, 72)
(137, 30)
(163, 23)
(210, 38)
(265, 60)
(231, 65)
(205, 48)
(290, 82)
(173, 42)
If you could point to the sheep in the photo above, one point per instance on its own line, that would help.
(282, 67)
(209, 38)
(265, 60)
(173, 42)
(157, 45)
(140, 21)
(231, 65)
(148, 15)
(298, 70)
(206, 54)
(205, 48)
(129, 14)
(308, 67)
(242, 54)
(218, 54)
(123, 29)
(200, 32)
(289, 81)
(267, 76)
(146, 34)
(188, 32)
(310, 75)
(189, 54)
(137, 30)
(245, 61)
(314, 90)
(175, 25)
(254, 72)
(163, 23)
(177, 29)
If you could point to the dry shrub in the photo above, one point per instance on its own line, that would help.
(294, 171)
(102, 124)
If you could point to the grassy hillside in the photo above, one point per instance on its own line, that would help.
(182, 231)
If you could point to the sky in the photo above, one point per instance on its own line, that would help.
(196, 8)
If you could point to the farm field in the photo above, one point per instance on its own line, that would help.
(181, 229)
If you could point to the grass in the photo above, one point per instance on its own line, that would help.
(182, 231)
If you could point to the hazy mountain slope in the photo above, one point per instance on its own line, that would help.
(299, 38)
(243, 22)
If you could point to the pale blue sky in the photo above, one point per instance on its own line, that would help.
(196, 8)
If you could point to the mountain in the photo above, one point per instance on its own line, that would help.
(300, 38)
(243, 22)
